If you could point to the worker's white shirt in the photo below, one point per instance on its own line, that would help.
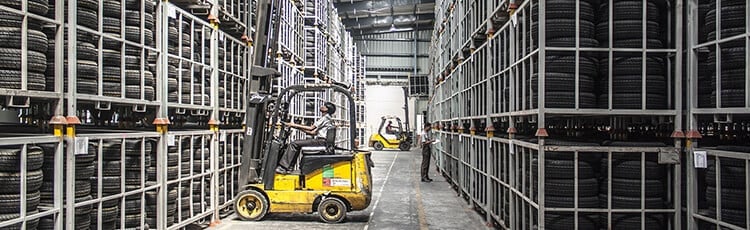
(323, 124)
(425, 136)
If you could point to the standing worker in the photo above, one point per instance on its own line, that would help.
(426, 141)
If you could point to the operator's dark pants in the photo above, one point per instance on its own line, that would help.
(289, 158)
(426, 155)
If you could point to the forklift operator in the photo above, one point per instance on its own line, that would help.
(318, 130)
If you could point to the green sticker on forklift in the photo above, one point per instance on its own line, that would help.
(327, 171)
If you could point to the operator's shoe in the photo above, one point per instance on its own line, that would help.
(426, 180)
(281, 170)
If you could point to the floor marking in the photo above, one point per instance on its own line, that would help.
(420, 207)
(380, 194)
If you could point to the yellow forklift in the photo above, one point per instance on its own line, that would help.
(330, 180)
(390, 136)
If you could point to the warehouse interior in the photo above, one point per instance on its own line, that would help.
(541, 114)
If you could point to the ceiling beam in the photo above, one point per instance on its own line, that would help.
(345, 6)
(386, 21)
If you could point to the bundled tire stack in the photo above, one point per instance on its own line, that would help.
(560, 72)
(560, 187)
(10, 48)
(84, 169)
(627, 79)
(10, 178)
(733, 189)
(86, 52)
(732, 55)
(626, 190)
(140, 81)
(151, 199)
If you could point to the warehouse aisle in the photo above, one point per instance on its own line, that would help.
(406, 203)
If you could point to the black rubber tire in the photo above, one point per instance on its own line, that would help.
(87, 18)
(11, 203)
(134, 92)
(731, 98)
(554, 221)
(8, 19)
(9, 60)
(565, 187)
(92, 5)
(629, 66)
(632, 188)
(566, 100)
(12, 181)
(731, 16)
(566, 64)
(624, 202)
(563, 82)
(31, 224)
(136, 5)
(565, 9)
(201, 166)
(629, 10)
(133, 220)
(633, 101)
(733, 58)
(110, 184)
(732, 216)
(38, 7)
(133, 77)
(731, 177)
(562, 169)
(11, 37)
(655, 84)
(730, 198)
(172, 196)
(10, 159)
(198, 154)
(632, 169)
(571, 42)
(133, 34)
(567, 202)
(559, 28)
(112, 8)
(109, 214)
(633, 222)
(133, 18)
(626, 29)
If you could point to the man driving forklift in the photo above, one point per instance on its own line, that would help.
(318, 130)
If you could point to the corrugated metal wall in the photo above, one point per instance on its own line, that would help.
(392, 54)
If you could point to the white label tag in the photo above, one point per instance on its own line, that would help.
(514, 19)
(341, 182)
(82, 145)
(700, 159)
(170, 140)
(223, 136)
(172, 13)
(249, 131)
(512, 147)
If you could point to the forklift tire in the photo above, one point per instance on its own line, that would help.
(404, 146)
(251, 205)
(332, 210)
(377, 145)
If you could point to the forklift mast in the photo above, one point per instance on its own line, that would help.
(262, 71)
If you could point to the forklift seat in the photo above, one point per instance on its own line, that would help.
(328, 149)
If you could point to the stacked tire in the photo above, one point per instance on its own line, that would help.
(84, 169)
(111, 51)
(627, 79)
(10, 178)
(560, 72)
(560, 187)
(151, 199)
(10, 48)
(733, 189)
(626, 190)
(732, 55)
(140, 81)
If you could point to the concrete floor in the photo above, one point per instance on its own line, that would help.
(400, 201)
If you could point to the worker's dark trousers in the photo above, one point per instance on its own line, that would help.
(426, 155)
(292, 152)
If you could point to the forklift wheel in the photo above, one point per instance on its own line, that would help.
(404, 146)
(332, 210)
(378, 146)
(251, 205)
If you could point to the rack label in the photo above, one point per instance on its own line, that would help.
(700, 159)
(82, 145)
(170, 140)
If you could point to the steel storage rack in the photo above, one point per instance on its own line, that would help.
(717, 114)
(101, 76)
(550, 118)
